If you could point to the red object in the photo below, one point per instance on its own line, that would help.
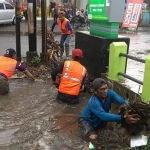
(58, 6)
(135, 1)
(21, 9)
(132, 13)
(77, 52)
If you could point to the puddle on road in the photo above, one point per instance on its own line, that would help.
(139, 47)
(31, 118)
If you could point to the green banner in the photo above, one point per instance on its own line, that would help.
(96, 10)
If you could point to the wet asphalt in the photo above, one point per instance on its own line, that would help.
(32, 119)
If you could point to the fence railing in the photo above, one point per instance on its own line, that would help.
(117, 66)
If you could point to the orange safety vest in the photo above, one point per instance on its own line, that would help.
(63, 26)
(7, 66)
(72, 76)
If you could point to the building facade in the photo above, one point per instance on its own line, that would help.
(81, 4)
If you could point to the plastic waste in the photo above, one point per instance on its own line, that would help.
(91, 146)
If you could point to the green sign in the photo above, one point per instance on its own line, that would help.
(96, 10)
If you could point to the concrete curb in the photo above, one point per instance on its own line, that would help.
(25, 33)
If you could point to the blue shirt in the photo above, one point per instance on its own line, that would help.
(96, 113)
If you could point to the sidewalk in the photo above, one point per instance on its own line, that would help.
(133, 30)
(10, 29)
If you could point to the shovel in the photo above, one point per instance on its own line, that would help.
(139, 140)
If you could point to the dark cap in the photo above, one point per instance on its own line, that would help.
(10, 52)
(98, 82)
(77, 52)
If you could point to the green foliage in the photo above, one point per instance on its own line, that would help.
(36, 60)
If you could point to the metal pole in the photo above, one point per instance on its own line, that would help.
(32, 25)
(44, 26)
(75, 5)
(18, 45)
(131, 78)
(132, 57)
(35, 36)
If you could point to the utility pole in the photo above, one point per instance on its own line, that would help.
(31, 30)
(35, 36)
(18, 45)
(44, 30)
(75, 5)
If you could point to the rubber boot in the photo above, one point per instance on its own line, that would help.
(67, 52)
(62, 51)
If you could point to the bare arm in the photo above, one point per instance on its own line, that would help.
(26, 72)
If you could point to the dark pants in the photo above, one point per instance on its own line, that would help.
(55, 17)
(70, 99)
(4, 86)
(86, 128)
(82, 20)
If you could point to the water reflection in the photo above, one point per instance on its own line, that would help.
(31, 118)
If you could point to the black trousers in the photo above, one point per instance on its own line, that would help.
(86, 128)
(70, 99)
(4, 86)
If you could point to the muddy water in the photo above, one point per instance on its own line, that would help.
(139, 47)
(31, 118)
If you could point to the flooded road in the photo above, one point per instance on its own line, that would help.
(139, 47)
(32, 119)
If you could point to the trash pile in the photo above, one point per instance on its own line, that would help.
(88, 84)
(40, 72)
(143, 125)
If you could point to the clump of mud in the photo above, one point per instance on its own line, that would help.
(39, 72)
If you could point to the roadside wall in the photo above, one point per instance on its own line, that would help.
(96, 51)
(122, 89)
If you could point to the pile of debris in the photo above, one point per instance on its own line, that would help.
(88, 84)
(143, 110)
(39, 72)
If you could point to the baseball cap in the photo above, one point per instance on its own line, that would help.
(77, 52)
(98, 82)
(10, 52)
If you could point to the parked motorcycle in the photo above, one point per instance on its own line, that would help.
(25, 14)
(76, 22)
(68, 14)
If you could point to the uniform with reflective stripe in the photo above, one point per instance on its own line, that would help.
(72, 76)
(63, 26)
(7, 66)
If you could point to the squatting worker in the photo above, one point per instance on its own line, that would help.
(8, 65)
(96, 113)
(73, 75)
(66, 31)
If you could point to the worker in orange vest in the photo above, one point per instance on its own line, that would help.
(66, 31)
(8, 65)
(72, 78)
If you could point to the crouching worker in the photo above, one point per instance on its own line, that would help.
(96, 113)
(73, 74)
(8, 65)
